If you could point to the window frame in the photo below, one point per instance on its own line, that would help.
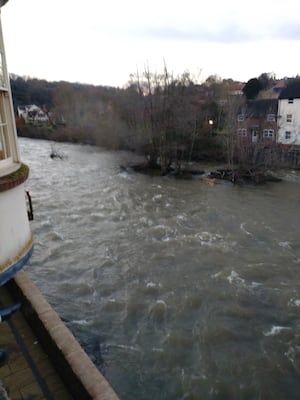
(271, 117)
(288, 135)
(268, 133)
(242, 132)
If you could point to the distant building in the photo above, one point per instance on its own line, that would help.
(32, 114)
(235, 88)
(274, 91)
(279, 86)
(256, 122)
(289, 114)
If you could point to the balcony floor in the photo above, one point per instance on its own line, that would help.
(28, 373)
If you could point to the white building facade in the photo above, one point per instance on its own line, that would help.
(32, 113)
(288, 118)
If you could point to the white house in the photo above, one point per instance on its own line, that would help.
(288, 118)
(32, 113)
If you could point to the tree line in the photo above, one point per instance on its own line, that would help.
(169, 119)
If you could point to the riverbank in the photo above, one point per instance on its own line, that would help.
(260, 158)
(236, 175)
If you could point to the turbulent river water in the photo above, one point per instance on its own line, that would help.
(175, 289)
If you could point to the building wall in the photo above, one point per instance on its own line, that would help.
(252, 130)
(288, 121)
(15, 231)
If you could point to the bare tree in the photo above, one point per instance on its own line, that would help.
(167, 120)
(231, 144)
(90, 114)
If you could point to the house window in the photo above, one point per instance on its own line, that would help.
(289, 117)
(241, 117)
(290, 101)
(288, 135)
(268, 133)
(271, 117)
(242, 132)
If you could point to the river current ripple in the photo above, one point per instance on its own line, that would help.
(176, 289)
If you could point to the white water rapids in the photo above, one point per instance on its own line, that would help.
(176, 289)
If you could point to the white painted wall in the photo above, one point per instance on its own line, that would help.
(14, 225)
(285, 108)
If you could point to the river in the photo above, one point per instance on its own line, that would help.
(177, 289)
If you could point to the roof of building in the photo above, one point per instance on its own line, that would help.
(259, 108)
(279, 85)
(292, 90)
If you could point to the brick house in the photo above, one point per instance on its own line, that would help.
(257, 122)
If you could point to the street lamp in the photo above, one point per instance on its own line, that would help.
(211, 124)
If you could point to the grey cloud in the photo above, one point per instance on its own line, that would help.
(229, 34)
(289, 30)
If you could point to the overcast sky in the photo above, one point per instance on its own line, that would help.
(103, 42)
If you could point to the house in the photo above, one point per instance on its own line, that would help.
(32, 114)
(288, 118)
(235, 88)
(256, 122)
(274, 91)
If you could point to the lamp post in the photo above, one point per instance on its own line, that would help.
(211, 124)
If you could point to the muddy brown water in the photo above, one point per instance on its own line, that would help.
(176, 289)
